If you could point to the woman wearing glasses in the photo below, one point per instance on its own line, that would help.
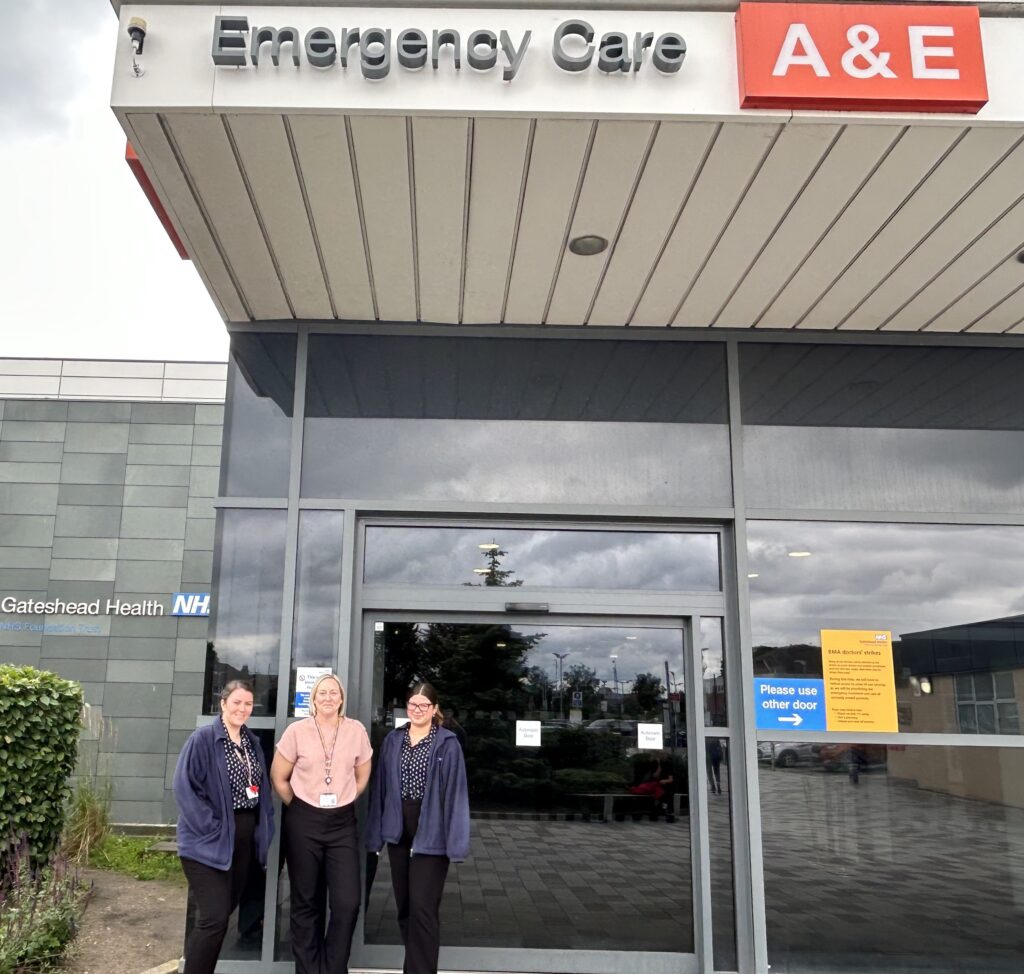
(321, 766)
(419, 808)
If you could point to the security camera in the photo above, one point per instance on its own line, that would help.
(137, 32)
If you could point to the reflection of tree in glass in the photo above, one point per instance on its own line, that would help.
(494, 574)
(647, 689)
(582, 678)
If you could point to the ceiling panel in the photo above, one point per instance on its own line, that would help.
(265, 154)
(497, 170)
(557, 160)
(382, 181)
(614, 167)
(888, 187)
(439, 162)
(202, 143)
(1009, 312)
(728, 170)
(325, 166)
(183, 208)
(793, 159)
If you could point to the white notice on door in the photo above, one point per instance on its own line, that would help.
(527, 733)
(649, 737)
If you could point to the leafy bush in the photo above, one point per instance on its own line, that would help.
(39, 725)
(40, 909)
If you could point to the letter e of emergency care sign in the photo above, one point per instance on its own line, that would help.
(856, 57)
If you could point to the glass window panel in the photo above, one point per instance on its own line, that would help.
(1004, 686)
(1008, 718)
(948, 595)
(317, 593)
(712, 654)
(516, 420)
(968, 718)
(883, 427)
(589, 822)
(897, 870)
(987, 723)
(723, 899)
(984, 687)
(646, 560)
(258, 435)
(248, 597)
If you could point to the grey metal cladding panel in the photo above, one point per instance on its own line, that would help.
(190, 656)
(96, 438)
(176, 741)
(208, 435)
(79, 521)
(188, 683)
(199, 534)
(83, 670)
(153, 522)
(18, 655)
(93, 468)
(35, 410)
(24, 557)
(33, 432)
(75, 590)
(201, 507)
(24, 579)
(146, 650)
(209, 415)
(146, 672)
(162, 433)
(127, 764)
(197, 565)
(12, 472)
(205, 456)
(99, 495)
(28, 499)
(184, 711)
(83, 569)
(136, 699)
(164, 413)
(151, 627)
(19, 530)
(204, 481)
(158, 475)
(92, 693)
(85, 548)
(136, 789)
(28, 451)
(150, 549)
(147, 576)
(143, 813)
(193, 628)
(75, 647)
(139, 496)
(99, 412)
(164, 454)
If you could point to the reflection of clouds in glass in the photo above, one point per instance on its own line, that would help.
(711, 646)
(250, 590)
(900, 577)
(318, 588)
(256, 443)
(884, 469)
(521, 462)
(560, 559)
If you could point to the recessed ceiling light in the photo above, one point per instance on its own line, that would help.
(799, 554)
(489, 546)
(588, 245)
(753, 574)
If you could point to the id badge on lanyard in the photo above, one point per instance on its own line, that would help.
(328, 800)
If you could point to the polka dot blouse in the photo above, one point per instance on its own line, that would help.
(242, 773)
(415, 760)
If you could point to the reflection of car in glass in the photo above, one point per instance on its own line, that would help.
(786, 754)
(841, 757)
(552, 726)
(614, 725)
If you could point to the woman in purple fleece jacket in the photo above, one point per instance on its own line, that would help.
(419, 807)
(225, 820)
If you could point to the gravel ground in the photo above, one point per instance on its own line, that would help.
(130, 925)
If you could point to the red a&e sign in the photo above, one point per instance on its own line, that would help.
(860, 58)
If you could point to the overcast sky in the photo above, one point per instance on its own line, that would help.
(87, 269)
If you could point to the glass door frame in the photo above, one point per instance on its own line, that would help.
(564, 961)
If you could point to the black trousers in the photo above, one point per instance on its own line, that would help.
(217, 893)
(418, 882)
(322, 853)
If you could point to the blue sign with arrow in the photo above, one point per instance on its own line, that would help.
(789, 704)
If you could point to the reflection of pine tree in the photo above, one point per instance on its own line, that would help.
(495, 574)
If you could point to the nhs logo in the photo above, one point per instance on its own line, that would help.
(190, 604)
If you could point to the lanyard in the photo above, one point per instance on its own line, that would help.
(328, 755)
(243, 749)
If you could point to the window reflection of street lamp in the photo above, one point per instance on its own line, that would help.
(558, 676)
(615, 678)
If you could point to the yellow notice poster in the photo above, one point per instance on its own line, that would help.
(860, 689)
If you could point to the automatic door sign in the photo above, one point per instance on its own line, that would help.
(858, 692)
(789, 704)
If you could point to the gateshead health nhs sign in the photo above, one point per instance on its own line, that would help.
(190, 604)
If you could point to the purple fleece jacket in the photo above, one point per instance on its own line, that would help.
(444, 815)
(206, 819)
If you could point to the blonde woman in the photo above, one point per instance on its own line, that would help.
(321, 766)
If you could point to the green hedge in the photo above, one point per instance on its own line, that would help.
(40, 720)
